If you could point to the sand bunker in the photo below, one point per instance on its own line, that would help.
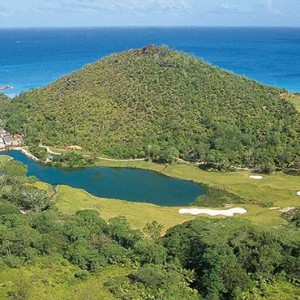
(213, 212)
(256, 177)
(298, 193)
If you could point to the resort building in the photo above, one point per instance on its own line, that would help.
(2, 145)
(8, 140)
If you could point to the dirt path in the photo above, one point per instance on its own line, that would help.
(121, 160)
(49, 151)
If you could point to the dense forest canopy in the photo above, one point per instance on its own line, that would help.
(201, 259)
(4, 105)
(161, 104)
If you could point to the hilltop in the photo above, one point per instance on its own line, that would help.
(158, 103)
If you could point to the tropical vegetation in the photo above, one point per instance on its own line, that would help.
(161, 104)
(46, 254)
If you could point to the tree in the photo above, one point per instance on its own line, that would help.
(223, 277)
(267, 167)
(148, 252)
(35, 199)
(85, 256)
(92, 220)
(168, 155)
(120, 231)
(154, 282)
(153, 230)
(114, 253)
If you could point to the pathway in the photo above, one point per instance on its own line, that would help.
(49, 151)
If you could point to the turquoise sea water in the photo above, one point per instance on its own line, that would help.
(31, 58)
(120, 183)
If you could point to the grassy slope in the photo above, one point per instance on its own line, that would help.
(70, 200)
(276, 190)
(4, 158)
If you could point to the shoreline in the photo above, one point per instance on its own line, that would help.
(206, 178)
(5, 87)
(23, 150)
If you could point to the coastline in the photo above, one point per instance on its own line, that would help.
(23, 150)
(5, 87)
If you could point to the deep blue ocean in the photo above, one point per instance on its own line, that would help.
(31, 58)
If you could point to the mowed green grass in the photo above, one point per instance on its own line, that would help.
(276, 190)
(4, 158)
(131, 164)
(70, 200)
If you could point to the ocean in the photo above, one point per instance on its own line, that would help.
(31, 58)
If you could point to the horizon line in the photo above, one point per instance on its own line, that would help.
(150, 26)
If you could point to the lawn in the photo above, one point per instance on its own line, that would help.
(131, 164)
(264, 197)
(276, 190)
(70, 200)
(4, 158)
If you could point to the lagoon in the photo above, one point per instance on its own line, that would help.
(119, 183)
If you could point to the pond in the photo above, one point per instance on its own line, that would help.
(119, 183)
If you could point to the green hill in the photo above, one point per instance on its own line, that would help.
(158, 103)
(4, 105)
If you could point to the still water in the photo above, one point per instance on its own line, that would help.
(119, 183)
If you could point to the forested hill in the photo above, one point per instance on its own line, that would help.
(4, 104)
(162, 104)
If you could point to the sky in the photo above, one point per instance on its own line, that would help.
(77, 13)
